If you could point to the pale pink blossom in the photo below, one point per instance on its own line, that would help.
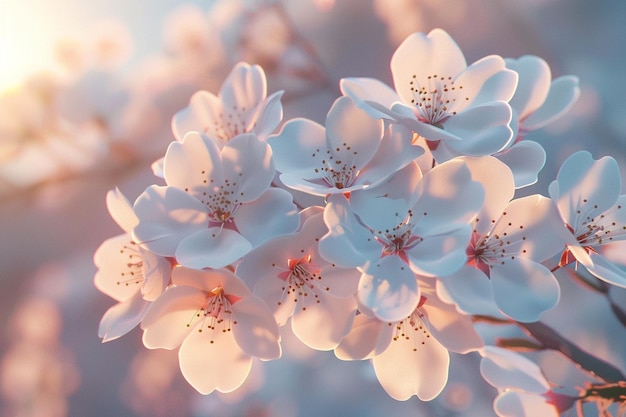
(459, 109)
(353, 152)
(296, 282)
(218, 324)
(217, 204)
(587, 194)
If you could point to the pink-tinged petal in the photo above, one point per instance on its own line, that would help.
(525, 159)
(269, 116)
(275, 293)
(208, 280)
(248, 162)
(453, 330)
(399, 186)
(122, 318)
(395, 152)
(484, 81)
(367, 338)
(524, 289)
(166, 216)
(352, 135)
(299, 148)
(606, 271)
(423, 55)
(389, 289)
(201, 115)
(193, 164)
(505, 369)
(212, 248)
(497, 181)
(530, 227)
(265, 262)
(244, 88)
(255, 329)
(578, 195)
(485, 129)
(470, 289)
(523, 404)
(157, 168)
(121, 210)
(323, 322)
(369, 89)
(207, 366)
(406, 115)
(564, 91)
(533, 86)
(156, 275)
(445, 195)
(171, 317)
(347, 244)
(272, 214)
(119, 272)
(341, 282)
(378, 212)
(413, 364)
(441, 254)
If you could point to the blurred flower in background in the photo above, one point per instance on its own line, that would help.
(87, 96)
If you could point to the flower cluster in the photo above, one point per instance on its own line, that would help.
(378, 235)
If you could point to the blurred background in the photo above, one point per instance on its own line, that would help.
(87, 92)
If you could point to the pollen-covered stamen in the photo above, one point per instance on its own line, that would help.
(133, 274)
(398, 240)
(302, 281)
(216, 312)
(484, 251)
(222, 200)
(412, 329)
(337, 166)
(595, 231)
(230, 123)
(435, 98)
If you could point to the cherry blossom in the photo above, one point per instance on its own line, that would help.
(289, 274)
(410, 356)
(353, 152)
(459, 109)
(218, 324)
(524, 390)
(510, 239)
(242, 106)
(587, 194)
(126, 272)
(412, 224)
(217, 205)
(538, 101)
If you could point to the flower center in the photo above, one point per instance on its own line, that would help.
(337, 166)
(302, 279)
(412, 329)
(230, 123)
(222, 200)
(435, 98)
(594, 231)
(133, 274)
(216, 312)
(399, 239)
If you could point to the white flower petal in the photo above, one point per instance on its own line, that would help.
(367, 338)
(294, 145)
(370, 89)
(524, 289)
(170, 317)
(212, 248)
(485, 129)
(453, 330)
(122, 318)
(438, 55)
(245, 87)
(471, 290)
(209, 279)
(441, 254)
(505, 369)
(201, 115)
(526, 159)
(166, 216)
(119, 271)
(271, 215)
(269, 116)
(523, 404)
(606, 271)
(389, 289)
(156, 274)
(564, 91)
(484, 81)
(255, 329)
(413, 364)
(207, 366)
(248, 166)
(322, 322)
(533, 86)
(121, 210)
